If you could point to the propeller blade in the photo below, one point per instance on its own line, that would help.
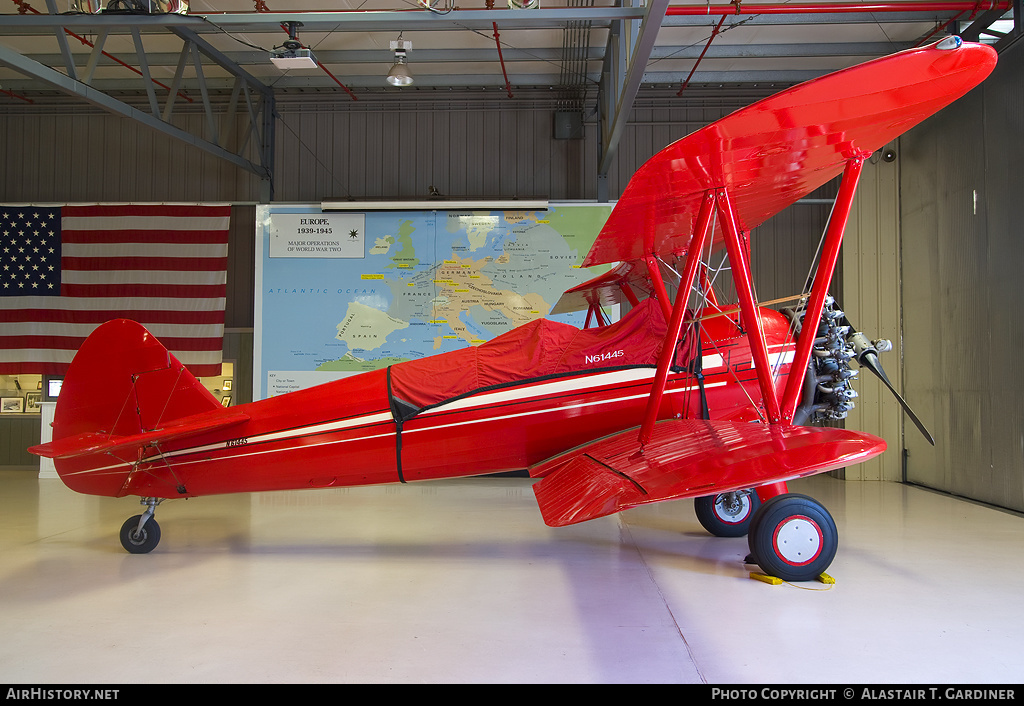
(869, 359)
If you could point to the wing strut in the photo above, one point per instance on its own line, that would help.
(740, 261)
(660, 292)
(628, 292)
(668, 351)
(594, 311)
(822, 280)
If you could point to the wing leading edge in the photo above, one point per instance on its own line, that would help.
(776, 151)
(687, 458)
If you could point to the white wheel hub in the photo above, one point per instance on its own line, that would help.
(797, 540)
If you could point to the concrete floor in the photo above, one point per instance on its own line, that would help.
(460, 581)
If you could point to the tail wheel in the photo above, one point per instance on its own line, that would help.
(793, 537)
(727, 514)
(140, 540)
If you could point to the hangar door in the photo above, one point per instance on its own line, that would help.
(961, 188)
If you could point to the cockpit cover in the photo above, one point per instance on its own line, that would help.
(534, 350)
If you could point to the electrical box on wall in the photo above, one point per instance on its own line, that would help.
(568, 125)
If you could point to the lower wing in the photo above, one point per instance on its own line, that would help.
(687, 458)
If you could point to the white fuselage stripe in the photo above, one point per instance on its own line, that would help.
(580, 405)
(512, 394)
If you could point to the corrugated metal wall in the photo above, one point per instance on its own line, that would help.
(411, 150)
(464, 147)
(870, 296)
(87, 156)
(963, 291)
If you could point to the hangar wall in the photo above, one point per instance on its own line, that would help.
(463, 146)
(69, 153)
(870, 296)
(961, 187)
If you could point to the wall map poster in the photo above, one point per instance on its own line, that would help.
(339, 293)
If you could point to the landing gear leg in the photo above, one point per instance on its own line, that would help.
(140, 534)
(793, 537)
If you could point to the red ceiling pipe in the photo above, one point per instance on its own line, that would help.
(940, 27)
(497, 41)
(12, 94)
(353, 95)
(737, 8)
(714, 33)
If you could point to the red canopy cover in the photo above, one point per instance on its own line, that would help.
(534, 350)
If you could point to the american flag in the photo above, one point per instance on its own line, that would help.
(64, 270)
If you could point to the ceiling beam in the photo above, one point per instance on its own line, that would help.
(629, 48)
(511, 55)
(339, 21)
(78, 89)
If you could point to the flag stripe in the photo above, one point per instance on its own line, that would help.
(144, 277)
(105, 235)
(144, 250)
(68, 269)
(73, 342)
(141, 290)
(55, 361)
(81, 329)
(16, 356)
(149, 210)
(177, 264)
(145, 308)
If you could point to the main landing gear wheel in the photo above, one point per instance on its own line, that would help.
(727, 514)
(793, 537)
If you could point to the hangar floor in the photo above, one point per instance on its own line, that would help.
(460, 581)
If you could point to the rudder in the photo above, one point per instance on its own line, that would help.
(122, 388)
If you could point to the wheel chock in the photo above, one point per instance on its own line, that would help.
(775, 580)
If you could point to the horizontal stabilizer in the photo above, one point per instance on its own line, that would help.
(687, 458)
(99, 442)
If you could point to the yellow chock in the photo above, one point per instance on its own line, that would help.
(773, 580)
(825, 578)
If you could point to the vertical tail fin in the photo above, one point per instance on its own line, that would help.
(123, 393)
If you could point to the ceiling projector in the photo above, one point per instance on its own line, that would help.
(287, 57)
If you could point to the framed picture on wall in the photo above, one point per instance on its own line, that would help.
(11, 405)
(32, 400)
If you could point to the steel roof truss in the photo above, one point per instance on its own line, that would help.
(140, 54)
(94, 55)
(179, 73)
(78, 89)
(62, 41)
(630, 43)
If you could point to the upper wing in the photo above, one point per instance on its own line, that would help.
(776, 151)
(687, 458)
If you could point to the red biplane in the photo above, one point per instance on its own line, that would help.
(681, 398)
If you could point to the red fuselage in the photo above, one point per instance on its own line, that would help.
(345, 432)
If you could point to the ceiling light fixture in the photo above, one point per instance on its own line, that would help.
(399, 74)
(292, 55)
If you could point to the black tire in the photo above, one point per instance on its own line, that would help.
(793, 537)
(727, 514)
(140, 542)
